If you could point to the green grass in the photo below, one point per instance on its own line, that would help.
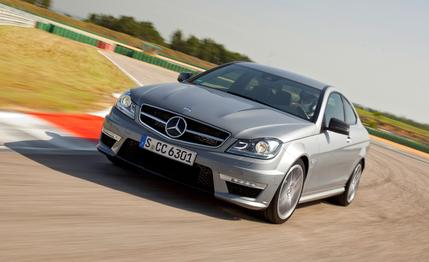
(43, 72)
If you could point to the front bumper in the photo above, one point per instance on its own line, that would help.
(231, 174)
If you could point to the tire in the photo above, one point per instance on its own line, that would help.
(347, 197)
(288, 193)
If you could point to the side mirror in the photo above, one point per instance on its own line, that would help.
(338, 126)
(184, 76)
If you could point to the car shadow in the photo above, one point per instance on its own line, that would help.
(92, 166)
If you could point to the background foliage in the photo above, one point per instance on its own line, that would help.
(128, 25)
(206, 49)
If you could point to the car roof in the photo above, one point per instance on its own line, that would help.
(286, 74)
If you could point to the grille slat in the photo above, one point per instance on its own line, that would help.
(196, 133)
(154, 118)
(204, 135)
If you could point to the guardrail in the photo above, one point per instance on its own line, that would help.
(167, 57)
(58, 30)
(398, 139)
(67, 33)
(151, 59)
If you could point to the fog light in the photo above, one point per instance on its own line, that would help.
(242, 182)
(111, 134)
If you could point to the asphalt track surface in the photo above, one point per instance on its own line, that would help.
(60, 200)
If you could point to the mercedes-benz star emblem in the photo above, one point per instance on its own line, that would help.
(175, 126)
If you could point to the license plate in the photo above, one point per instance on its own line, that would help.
(164, 149)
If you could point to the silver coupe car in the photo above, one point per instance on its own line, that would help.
(260, 137)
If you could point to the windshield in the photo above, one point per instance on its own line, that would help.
(268, 89)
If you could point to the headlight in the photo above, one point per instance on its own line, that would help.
(126, 105)
(264, 148)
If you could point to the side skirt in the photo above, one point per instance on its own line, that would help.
(321, 195)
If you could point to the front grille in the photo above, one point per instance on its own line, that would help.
(242, 190)
(197, 175)
(107, 140)
(196, 132)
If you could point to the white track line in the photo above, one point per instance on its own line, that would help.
(122, 69)
(105, 112)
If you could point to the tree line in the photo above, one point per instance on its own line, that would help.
(128, 25)
(206, 49)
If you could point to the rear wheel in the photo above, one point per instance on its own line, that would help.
(287, 196)
(352, 185)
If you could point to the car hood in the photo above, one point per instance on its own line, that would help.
(241, 117)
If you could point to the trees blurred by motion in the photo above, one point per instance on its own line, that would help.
(206, 49)
(128, 25)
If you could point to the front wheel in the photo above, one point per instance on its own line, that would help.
(352, 185)
(287, 196)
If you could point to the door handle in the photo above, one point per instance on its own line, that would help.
(349, 139)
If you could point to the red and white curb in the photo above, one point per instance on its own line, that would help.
(49, 131)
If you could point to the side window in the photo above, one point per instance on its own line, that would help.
(334, 108)
(349, 113)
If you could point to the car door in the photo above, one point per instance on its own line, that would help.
(333, 159)
(354, 144)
